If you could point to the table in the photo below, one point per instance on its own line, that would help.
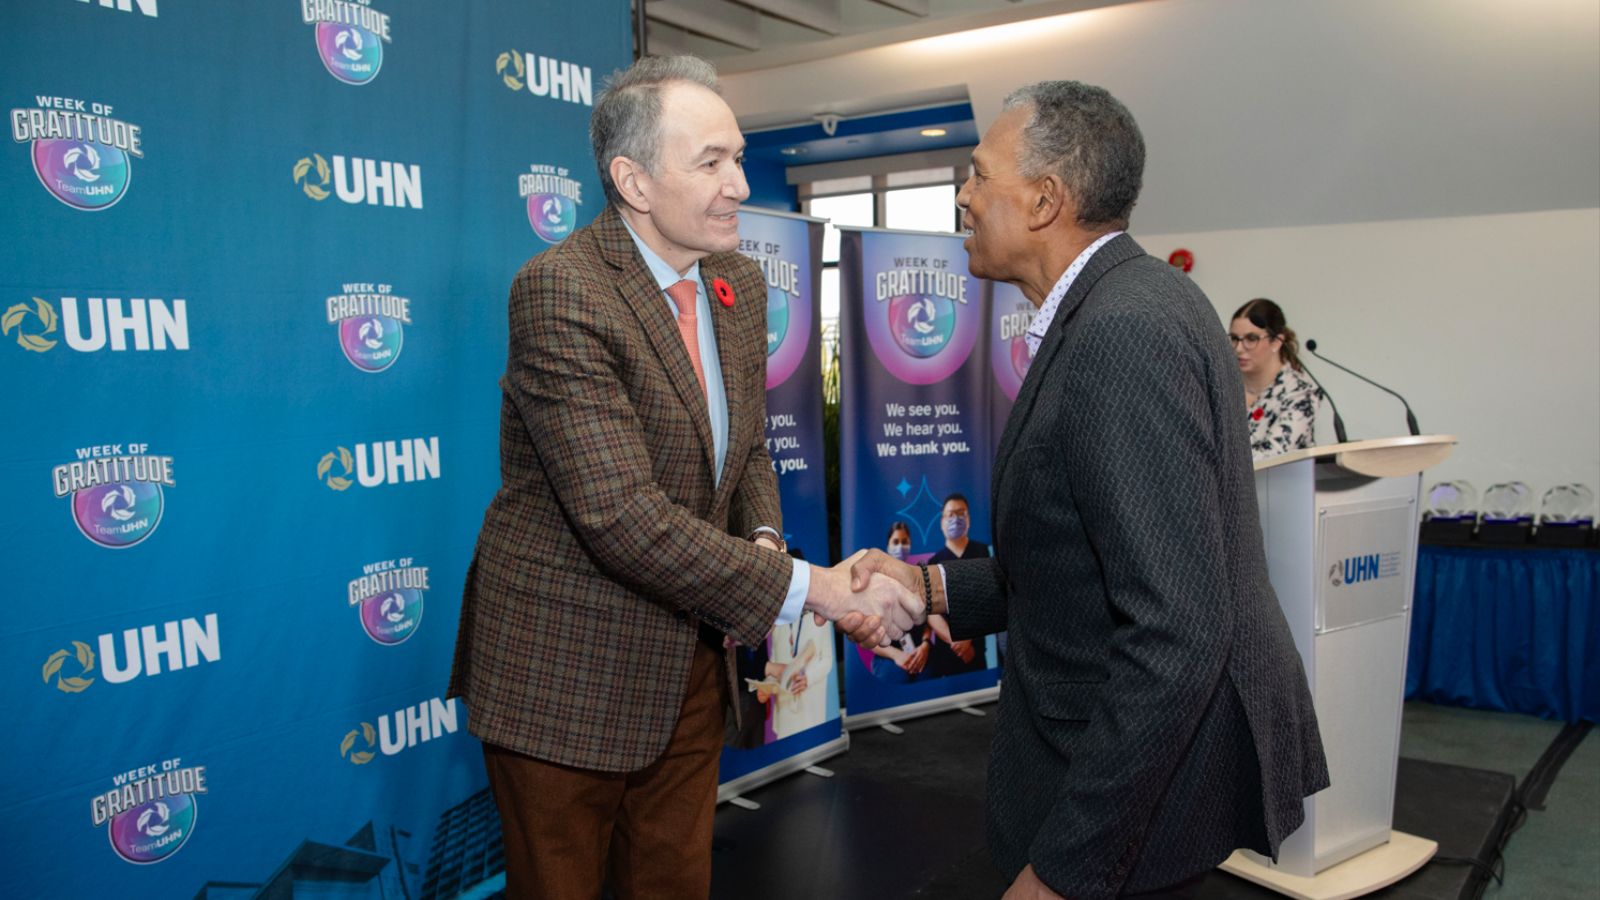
(1514, 629)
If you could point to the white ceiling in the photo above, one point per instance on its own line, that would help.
(744, 34)
(1264, 113)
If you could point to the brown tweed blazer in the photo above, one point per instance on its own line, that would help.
(607, 543)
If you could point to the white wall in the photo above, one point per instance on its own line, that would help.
(1416, 181)
(1489, 325)
(1263, 113)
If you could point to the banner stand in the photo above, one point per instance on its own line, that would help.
(805, 730)
(735, 789)
(922, 708)
(917, 430)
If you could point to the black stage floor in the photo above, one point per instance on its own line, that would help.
(903, 817)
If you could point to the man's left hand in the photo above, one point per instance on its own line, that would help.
(1029, 887)
(766, 541)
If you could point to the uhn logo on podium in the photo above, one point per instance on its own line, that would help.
(1366, 567)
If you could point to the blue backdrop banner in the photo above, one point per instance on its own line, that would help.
(790, 683)
(252, 319)
(917, 436)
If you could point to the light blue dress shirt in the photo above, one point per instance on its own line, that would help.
(716, 395)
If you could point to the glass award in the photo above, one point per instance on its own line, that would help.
(1509, 501)
(1567, 504)
(1452, 501)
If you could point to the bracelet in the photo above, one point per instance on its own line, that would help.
(776, 538)
(927, 587)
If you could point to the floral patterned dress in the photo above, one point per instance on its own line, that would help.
(1282, 417)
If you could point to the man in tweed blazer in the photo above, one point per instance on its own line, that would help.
(1155, 714)
(621, 551)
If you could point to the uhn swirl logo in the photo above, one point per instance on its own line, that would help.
(542, 76)
(405, 728)
(81, 154)
(1365, 567)
(921, 324)
(36, 337)
(350, 37)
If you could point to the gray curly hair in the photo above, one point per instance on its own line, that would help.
(1085, 137)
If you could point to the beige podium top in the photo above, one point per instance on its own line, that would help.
(1381, 458)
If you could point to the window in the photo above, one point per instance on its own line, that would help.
(849, 209)
(931, 208)
(915, 200)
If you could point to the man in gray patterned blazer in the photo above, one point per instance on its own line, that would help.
(1155, 714)
(621, 552)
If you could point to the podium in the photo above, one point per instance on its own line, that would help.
(1340, 527)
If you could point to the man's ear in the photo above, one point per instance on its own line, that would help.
(1050, 202)
(629, 177)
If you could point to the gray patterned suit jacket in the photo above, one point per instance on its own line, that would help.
(1155, 714)
(609, 540)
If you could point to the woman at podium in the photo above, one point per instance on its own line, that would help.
(1280, 401)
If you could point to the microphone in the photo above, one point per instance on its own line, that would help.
(1338, 422)
(1411, 417)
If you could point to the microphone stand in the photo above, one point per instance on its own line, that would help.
(1411, 417)
(1338, 422)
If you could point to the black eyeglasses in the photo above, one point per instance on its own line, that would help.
(1249, 341)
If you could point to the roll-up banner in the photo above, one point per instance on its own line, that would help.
(1010, 314)
(252, 318)
(917, 437)
(789, 684)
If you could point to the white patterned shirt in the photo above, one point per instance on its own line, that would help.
(1283, 417)
(1041, 322)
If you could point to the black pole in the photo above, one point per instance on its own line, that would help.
(639, 45)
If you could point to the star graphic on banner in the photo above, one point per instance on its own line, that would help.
(903, 487)
(923, 511)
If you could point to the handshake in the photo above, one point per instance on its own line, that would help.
(873, 597)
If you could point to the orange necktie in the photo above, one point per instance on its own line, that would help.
(686, 295)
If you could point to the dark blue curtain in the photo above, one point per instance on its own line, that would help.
(1514, 630)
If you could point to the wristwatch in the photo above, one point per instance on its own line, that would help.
(783, 545)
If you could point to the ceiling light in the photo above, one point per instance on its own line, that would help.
(932, 132)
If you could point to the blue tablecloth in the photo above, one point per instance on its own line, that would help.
(1507, 629)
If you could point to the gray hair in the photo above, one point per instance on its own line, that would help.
(1082, 135)
(627, 116)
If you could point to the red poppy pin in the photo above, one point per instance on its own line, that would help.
(1258, 413)
(723, 292)
(1181, 259)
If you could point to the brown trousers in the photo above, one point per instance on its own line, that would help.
(569, 831)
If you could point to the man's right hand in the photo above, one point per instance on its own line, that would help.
(895, 607)
(868, 564)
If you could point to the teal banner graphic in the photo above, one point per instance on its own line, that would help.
(251, 326)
